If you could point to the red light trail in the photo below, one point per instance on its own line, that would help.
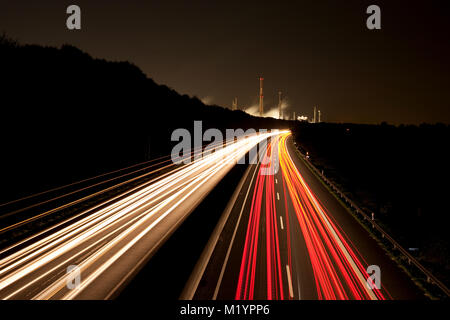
(339, 270)
(246, 282)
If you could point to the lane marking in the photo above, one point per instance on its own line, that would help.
(281, 222)
(278, 196)
(291, 290)
(276, 180)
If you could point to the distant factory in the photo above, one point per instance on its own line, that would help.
(278, 111)
(315, 119)
(316, 116)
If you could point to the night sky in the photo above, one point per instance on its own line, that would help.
(316, 52)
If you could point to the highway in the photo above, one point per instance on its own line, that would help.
(94, 256)
(282, 236)
(285, 236)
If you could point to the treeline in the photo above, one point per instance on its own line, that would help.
(66, 116)
(401, 173)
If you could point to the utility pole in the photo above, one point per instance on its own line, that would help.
(261, 97)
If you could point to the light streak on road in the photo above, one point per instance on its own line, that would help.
(249, 264)
(112, 241)
(339, 271)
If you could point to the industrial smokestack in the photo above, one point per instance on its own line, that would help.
(319, 115)
(261, 97)
(234, 106)
(314, 118)
(294, 116)
(279, 105)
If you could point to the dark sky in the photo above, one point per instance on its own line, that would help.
(317, 52)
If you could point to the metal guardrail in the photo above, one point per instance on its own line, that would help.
(411, 260)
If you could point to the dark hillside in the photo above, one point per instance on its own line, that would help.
(66, 116)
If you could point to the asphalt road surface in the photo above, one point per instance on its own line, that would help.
(93, 257)
(285, 236)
